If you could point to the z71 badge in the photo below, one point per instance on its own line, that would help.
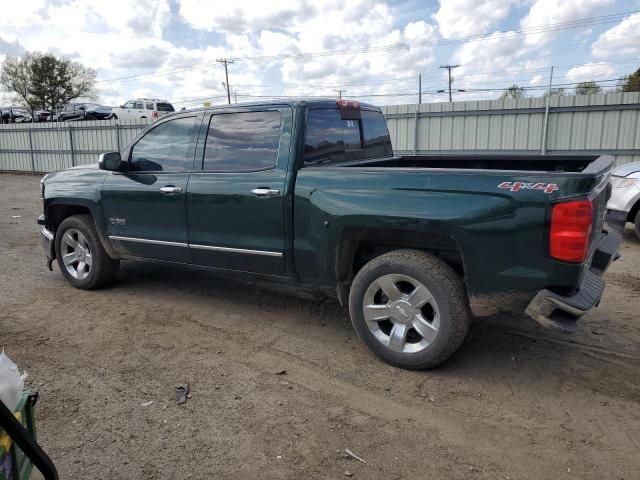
(516, 186)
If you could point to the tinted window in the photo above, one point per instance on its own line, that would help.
(138, 106)
(164, 148)
(164, 107)
(245, 141)
(149, 105)
(331, 139)
(377, 142)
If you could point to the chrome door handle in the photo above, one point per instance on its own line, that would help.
(265, 192)
(170, 189)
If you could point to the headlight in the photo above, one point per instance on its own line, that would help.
(626, 182)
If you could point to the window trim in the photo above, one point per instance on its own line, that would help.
(206, 137)
(188, 160)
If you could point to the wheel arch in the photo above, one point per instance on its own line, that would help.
(57, 212)
(359, 245)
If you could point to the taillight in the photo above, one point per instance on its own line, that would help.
(342, 103)
(570, 230)
(154, 114)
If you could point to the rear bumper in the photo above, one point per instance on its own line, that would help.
(616, 219)
(561, 312)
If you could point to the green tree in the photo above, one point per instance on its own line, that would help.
(514, 92)
(555, 92)
(631, 83)
(588, 88)
(41, 80)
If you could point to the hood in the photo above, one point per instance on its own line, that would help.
(72, 171)
(626, 169)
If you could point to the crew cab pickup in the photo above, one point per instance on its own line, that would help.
(310, 193)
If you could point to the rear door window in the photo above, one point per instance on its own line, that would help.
(242, 142)
(164, 148)
(149, 105)
(138, 106)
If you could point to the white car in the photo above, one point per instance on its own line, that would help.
(152, 108)
(624, 204)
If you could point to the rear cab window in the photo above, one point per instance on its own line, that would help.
(332, 136)
(164, 107)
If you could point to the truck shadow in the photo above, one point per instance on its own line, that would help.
(498, 349)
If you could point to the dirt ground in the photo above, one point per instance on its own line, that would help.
(515, 402)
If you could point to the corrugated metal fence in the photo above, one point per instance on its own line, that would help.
(45, 147)
(598, 124)
(595, 124)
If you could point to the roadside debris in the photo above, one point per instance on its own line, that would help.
(351, 454)
(146, 404)
(347, 473)
(281, 372)
(182, 393)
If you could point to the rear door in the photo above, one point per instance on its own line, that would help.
(138, 110)
(235, 197)
(145, 207)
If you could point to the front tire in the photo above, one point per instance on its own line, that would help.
(81, 258)
(410, 308)
(636, 224)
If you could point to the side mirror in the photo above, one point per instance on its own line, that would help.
(111, 161)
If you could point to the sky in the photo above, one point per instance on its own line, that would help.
(372, 50)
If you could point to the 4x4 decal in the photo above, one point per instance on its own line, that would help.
(516, 186)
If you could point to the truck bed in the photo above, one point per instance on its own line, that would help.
(497, 161)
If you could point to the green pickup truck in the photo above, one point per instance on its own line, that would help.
(309, 193)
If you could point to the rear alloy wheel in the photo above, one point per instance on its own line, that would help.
(401, 313)
(410, 308)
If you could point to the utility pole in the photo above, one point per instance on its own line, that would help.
(419, 88)
(449, 67)
(545, 131)
(340, 92)
(226, 62)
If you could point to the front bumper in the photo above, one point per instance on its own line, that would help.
(48, 243)
(553, 310)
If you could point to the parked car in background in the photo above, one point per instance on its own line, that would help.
(41, 116)
(16, 115)
(624, 204)
(142, 108)
(84, 111)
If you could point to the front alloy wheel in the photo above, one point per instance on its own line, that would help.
(76, 254)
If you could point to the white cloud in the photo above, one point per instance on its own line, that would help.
(548, 12)
(621, 40)
(458, 18)
(591, 71)
(244, 15)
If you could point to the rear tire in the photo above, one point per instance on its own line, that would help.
(113, 116)
(410, 308)
(81, 258)
(636, 224)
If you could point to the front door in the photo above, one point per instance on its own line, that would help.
(236, 193)
(145, 206)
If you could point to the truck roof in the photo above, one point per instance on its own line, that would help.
(296, 101)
